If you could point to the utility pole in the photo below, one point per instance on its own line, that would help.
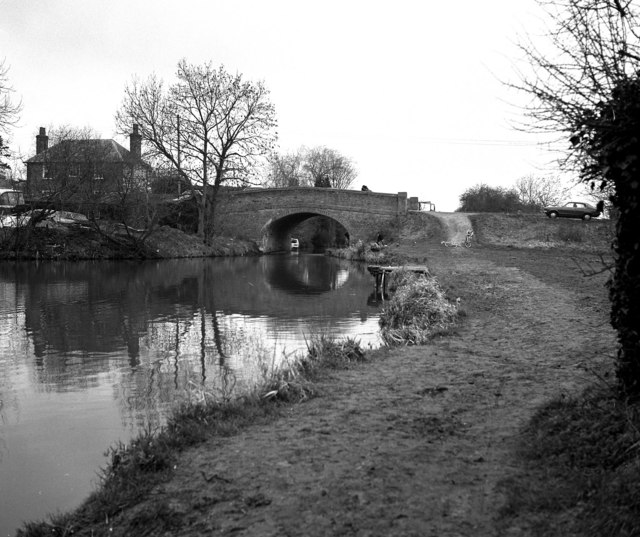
(179, 166)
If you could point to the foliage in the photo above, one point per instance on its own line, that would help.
(590, 90)
(318, 166)
(209, 126)
(418, 310)
(611, 141)
(486, 199)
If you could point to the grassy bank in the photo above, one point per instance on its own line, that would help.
(538, 231)
(579, 469)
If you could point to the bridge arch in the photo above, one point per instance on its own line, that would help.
(276, 232)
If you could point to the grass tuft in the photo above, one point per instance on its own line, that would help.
(417, 311)
(293, 381)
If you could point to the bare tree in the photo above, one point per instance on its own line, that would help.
(209, 125)
(287, 170)
(9, 114)
(318, 166)
(328, 168)
(537, 191)
(592, 45)
(4, 154)
(587, 87)
(9, 109)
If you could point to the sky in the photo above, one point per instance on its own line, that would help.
(412, 91)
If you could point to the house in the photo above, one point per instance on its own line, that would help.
(83, 170)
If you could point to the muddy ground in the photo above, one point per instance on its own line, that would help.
(416, 441)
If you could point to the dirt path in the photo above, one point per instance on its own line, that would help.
(455, 226)
(416, 441)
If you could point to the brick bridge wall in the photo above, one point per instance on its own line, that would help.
(268, 215)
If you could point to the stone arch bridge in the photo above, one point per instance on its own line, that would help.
(268, 215)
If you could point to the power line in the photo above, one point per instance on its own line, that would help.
(479, 141)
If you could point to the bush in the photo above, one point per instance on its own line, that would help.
(486, 199)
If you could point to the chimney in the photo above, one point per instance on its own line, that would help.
(135, 143)
(42, 141)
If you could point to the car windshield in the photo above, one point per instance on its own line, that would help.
(11, 198)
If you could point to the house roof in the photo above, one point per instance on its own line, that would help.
(84, 151)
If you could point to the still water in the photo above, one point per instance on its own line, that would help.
(91, 353)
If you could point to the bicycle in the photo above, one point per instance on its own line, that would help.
(466, 243)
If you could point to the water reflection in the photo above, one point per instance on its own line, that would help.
(92, 352)
(294, 274)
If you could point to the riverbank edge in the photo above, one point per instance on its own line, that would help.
(134, 468)
(74, 243)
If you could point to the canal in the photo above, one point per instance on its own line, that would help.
(91, 353)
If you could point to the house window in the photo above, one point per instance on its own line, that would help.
(46, 186)
(98, 183)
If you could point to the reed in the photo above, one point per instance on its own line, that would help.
(292, 379)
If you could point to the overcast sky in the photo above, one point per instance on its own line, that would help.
(411, 90)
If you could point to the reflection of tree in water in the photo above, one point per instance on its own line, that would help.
(3, 444)
(189, 359)
(211, 356)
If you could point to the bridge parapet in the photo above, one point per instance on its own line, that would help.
(268, 215)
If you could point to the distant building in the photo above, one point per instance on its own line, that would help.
(86, 169)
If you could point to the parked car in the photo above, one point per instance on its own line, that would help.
(295, 244)
(573, 209)
(10, 199)
(59, 217)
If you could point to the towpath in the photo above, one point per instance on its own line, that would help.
(418, 440)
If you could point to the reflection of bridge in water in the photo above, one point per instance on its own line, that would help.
(293, 274)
